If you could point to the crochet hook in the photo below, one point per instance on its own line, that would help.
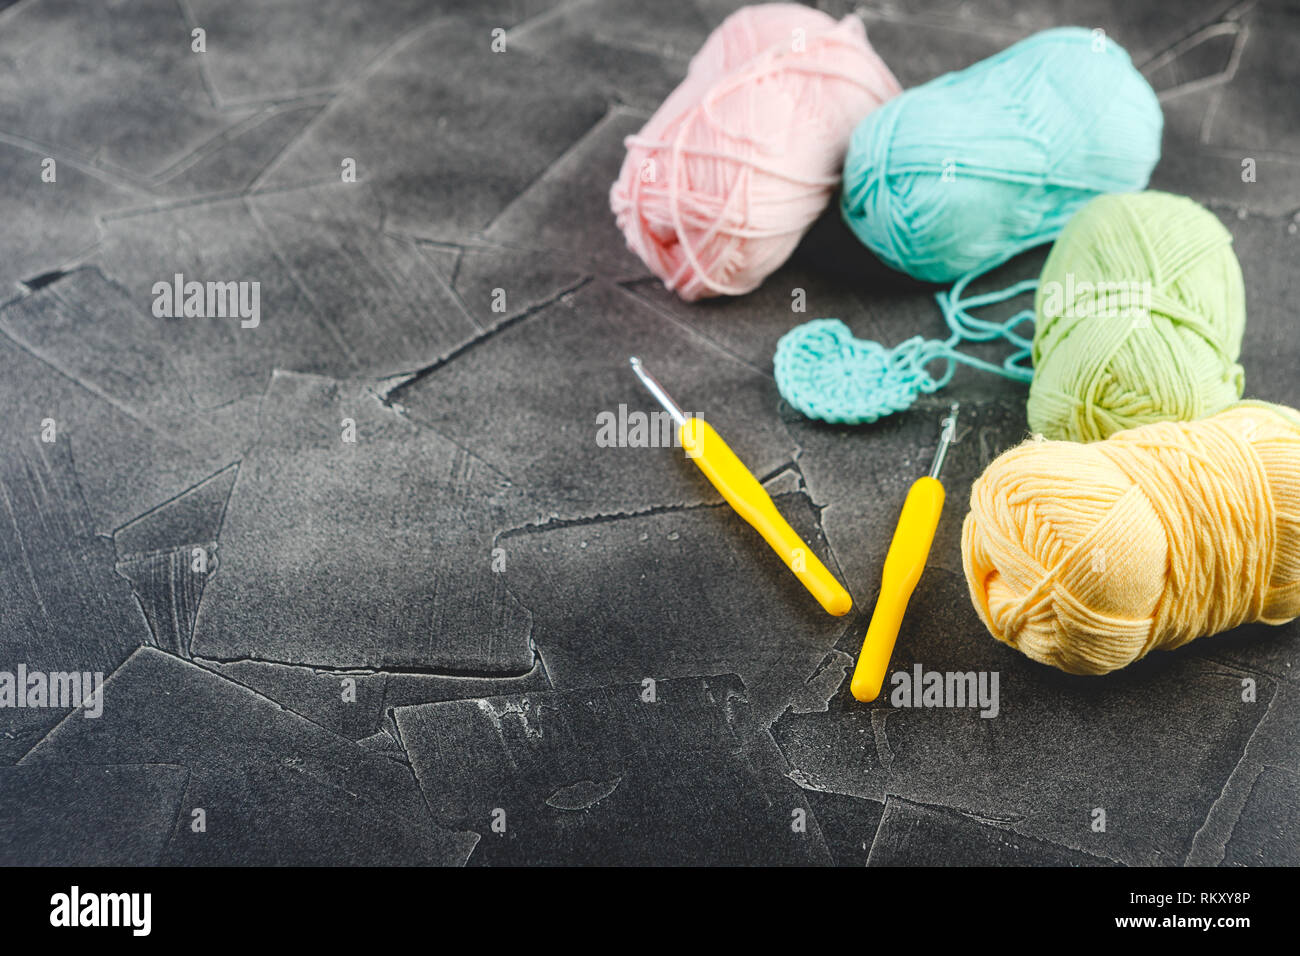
(748, 498)
(904, 563)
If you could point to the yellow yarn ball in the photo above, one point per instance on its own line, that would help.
(1086, 557)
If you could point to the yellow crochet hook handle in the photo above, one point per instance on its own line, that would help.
(749, 499)
(742, 490)
(904, 563)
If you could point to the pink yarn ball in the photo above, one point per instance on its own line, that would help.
(726, 177)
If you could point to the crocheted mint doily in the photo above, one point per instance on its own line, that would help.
(826, 373)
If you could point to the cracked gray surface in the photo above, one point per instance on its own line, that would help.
(603, 776)
(96, 816)
(81, 91)
(64, 609)
(912, 834)
(526, 400)
(50, 226)
(387, 536)
(636, 582)
(280, 788)
(375, 651)
(431, 175)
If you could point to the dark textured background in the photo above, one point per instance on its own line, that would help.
(519, 691)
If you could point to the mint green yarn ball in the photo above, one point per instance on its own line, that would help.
(1139, 316)
(973, 167)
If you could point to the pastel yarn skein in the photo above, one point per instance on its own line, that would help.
(723, 181)
(1089, 556)
(969, 169)
(1140, 312)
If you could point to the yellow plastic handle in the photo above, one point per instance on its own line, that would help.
(903, 566)
(752, 502)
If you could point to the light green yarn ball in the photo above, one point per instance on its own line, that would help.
(1140, 311)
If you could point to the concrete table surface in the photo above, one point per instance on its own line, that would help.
(361, 582)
